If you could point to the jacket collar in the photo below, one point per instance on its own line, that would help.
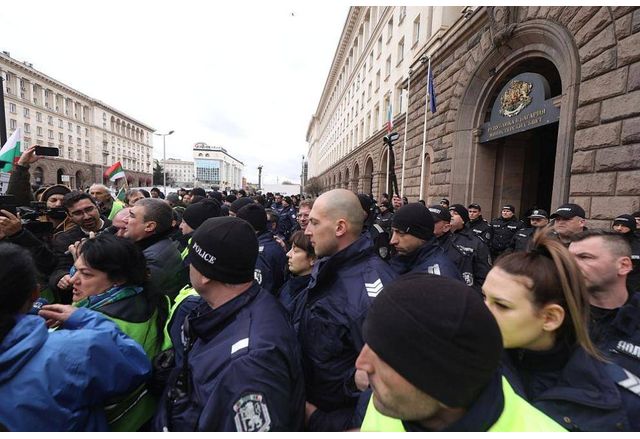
(150, 240)
(351, 255)
(206, 323)
(404, 263)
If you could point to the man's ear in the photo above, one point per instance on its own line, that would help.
(150, 226)
(341, 227)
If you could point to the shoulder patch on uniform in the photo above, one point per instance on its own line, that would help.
(631, 382)
(434, 269)
(468, 278)
(260, 248)
(240, 344)
(257, 275)
(252, 413)
(374, 289)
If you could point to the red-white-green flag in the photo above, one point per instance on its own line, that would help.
(10, 152)
(114, 172)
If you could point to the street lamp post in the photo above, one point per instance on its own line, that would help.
(164, 158)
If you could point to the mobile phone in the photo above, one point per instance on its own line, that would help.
(47, 151)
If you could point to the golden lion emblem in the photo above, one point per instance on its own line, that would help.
(515, 98)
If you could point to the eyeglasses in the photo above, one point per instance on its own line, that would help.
(80, 213)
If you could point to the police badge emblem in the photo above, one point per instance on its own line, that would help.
(257, 275)
(252, 413)
(515, 98)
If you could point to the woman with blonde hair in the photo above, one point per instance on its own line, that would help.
(540, 302)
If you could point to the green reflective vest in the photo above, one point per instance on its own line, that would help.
(185, 252)
(185, 292)
(517, 415)
(116, 207)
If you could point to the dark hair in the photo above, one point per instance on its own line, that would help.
(18, 279)
(272, 216)
(130, 193)
(74, 196)
(119, 258)
(615, 241)
(198, 191)
(302, 241)
(145, 193)
(554, 277)
(158, 211)
(155, 189)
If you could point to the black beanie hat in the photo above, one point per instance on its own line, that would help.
(230, 198)
(365, 202)
(224, 249)
(199, 212)
(460, 210)
(53, 190)
(239, 203)
(626, 220)
(438, 334)
(255, 215)
(414, 219)
(198, 191)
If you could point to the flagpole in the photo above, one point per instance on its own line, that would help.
(404, 147)
(424, 131)
(389, 129)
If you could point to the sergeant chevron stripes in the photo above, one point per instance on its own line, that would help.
(374, 289)
(632, 383)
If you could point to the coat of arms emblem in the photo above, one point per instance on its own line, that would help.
(515, 98)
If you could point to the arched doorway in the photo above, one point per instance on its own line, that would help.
(367, 186)
(356, 179)
(346, 179)
(59, 174)
(79, 180)
(532, 165)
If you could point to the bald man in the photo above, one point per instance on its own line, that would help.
(329, 312)
(108, 206)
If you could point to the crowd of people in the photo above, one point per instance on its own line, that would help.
(226, 311)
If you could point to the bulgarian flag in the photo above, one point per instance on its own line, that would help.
(10, 152)
(114, 172)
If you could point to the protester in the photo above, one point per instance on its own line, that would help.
(272, 260)
(108, 205)
(83, 211)
(149, 225)
(301, 259)
(432, 356)
(132, 196)
(416, 246)
(241, 366)
(157, 193)
(110, 276)
(347, 277)
(119, 222)
(61, 380)
(541, 305)
(604, 259)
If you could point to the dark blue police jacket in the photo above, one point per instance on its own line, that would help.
(329, 316)
(286, 221)
(429, 258)
(581, 396)
(243, 370)
(271, 263)
(291, 289)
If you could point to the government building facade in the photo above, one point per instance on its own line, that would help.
(215, 167)
(90, 135)
(534, 106)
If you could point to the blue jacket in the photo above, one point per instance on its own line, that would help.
(291, 290)
(329, 317)
(271, 263)
(244, 371)
(430, 258)
(60, 381)
(286, 221)
(579, 393)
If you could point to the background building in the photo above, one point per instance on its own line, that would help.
(536, 106)
(216, 167)
(90, 135)
(179, 172)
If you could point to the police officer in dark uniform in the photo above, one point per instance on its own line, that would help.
(460, 255)
(468, 242)
(383, 219)
(378, 234)
(626, 226)
(287, 218)
(539, 219)
(503, 229)
(477, 224)
(416, 247)
(241, 367)
(272, 259)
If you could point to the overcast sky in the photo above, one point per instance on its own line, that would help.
(243, 75)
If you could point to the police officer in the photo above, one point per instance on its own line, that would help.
(626, 226)
(604, 259)
(503, 229)
(539, 219)
(478, 225)
(460, 255)
(383, 219)
(379, 235)
(346, 279)
(272, 259)
(432, 355)
(468, 242)
(240, 369)
(287, 218)
(416, 247)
